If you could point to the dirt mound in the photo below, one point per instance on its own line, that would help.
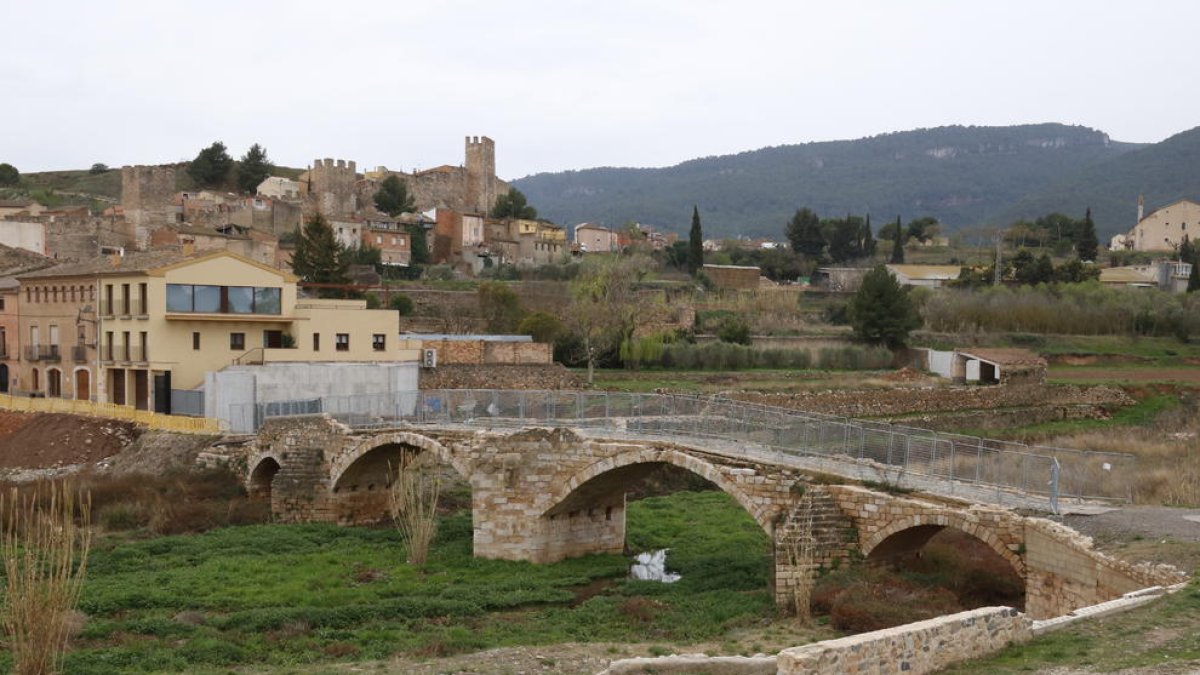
(44, 441)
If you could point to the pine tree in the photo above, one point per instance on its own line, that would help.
(898, 244)
(513, 205)
(319, 258)
(1194, 277)
(695, 258)
(1087, 245)
(804, 233)
(393, 198)
(881, 312)
(253, 168)
(211, 165)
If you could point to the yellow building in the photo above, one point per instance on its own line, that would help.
(1163, 230)
(147, 323)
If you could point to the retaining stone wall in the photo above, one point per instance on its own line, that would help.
(546, 376)
(907, 400)
(915, 648)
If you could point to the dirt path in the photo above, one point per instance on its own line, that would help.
(1157, 534)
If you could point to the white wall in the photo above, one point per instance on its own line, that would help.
(275, 382)
(941, 363)
(29, 236)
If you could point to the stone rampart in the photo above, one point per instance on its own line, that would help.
(915, 648)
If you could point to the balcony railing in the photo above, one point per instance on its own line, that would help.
(106, 352)
(42, 353)
(79, 353)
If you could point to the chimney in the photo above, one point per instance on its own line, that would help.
(1141, 207)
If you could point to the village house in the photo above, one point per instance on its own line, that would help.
(244, 241)
(1163, 230)
(593, 238)
(19, 207)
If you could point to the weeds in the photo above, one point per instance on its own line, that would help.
(45, 560)
(413, 502)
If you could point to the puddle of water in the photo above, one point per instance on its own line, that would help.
(652, 566)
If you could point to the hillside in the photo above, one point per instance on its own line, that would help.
(960, 175)
(1163, 172)
(82, 186)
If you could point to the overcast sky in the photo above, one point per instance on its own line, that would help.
(570, 85)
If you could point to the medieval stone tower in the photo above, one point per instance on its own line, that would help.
(481, 180)
(147, 194)
(331, 187)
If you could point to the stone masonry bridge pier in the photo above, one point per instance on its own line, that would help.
(542, 494)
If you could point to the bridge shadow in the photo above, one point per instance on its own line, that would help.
(360, 491)
(946, 557)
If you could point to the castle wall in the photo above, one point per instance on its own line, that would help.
(147, 194)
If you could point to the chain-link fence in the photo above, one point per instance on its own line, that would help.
(978, 468)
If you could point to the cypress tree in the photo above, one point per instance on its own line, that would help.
(898, 245)
(1087, 245)
(868, 239)
(695, 258)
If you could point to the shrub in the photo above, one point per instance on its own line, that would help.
(401, 303)
(122, 516)
(734, 330)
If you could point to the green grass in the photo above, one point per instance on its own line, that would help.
(1164, 632)
(281, 595)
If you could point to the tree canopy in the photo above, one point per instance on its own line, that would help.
(804, 233)
(253, 169)
(513, 205)
(393, 198)
(211, 165)
(881, 312)
(9, 174)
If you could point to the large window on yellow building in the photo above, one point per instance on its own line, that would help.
(198, 298)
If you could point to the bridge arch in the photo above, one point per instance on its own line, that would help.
(263, 469)
(561, 500)
(360, 475)
(369, 444)
(910, 533)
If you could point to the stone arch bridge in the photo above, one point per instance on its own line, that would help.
(542, 494)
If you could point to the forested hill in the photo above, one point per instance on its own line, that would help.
(1163, 172)
(959, 175)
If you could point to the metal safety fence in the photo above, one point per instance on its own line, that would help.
(982, 469)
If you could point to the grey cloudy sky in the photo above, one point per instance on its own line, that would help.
(569, 85)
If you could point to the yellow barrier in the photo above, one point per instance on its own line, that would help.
(153, 420)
